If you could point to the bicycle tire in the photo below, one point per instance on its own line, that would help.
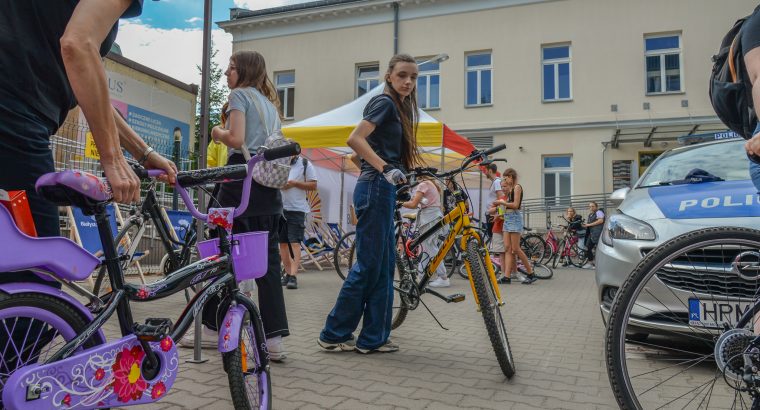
(534, 246)
(559, 254)
(676, 255)
(401, 305)
(244, 394)
(577, 256)
(44, 309)
(344, 252)
(542, 271)
(490, 309)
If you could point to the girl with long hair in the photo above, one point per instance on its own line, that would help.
(252, 99)
(513, 225)
(386, 142)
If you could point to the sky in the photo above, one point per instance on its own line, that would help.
(168, 37)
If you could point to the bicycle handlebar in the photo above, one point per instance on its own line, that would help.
(231, 170)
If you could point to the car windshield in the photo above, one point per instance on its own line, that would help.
(720, 162)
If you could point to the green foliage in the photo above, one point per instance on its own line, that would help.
(218, 93)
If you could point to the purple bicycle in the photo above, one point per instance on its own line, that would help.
(53, 353)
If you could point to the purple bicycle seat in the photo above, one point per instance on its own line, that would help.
(63, 187)
(58, 255)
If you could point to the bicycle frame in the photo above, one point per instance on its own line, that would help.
(460, 223)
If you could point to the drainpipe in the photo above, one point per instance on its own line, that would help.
(395, 28)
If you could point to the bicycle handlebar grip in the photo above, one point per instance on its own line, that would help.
(282, 152)
(495, 149)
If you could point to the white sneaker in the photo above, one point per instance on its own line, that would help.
(520, 277)
(209, 338)
(276, 349)
(440, 282)
(588, 266)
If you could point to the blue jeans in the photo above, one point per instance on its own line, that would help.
(368, 288)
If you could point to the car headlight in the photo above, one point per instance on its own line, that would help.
(621, 226)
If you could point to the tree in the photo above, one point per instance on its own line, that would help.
(218, 93)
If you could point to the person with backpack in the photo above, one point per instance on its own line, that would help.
(302, 178)
(594, 225)
(386, 141)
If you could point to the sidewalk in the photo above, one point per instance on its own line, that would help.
(554, 329)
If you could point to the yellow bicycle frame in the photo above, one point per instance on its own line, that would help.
(459, 222)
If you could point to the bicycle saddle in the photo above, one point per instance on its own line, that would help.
(57, 255)
(76, 188)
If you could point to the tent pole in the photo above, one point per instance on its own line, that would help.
(342, 178)
(443, 157)
(480, 198)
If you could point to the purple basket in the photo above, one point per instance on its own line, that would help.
(249, 253)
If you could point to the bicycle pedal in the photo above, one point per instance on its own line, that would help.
(455, 298)
(153, 330)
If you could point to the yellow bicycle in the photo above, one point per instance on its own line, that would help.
(480, 271)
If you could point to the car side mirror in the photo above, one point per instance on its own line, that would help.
(620, 194)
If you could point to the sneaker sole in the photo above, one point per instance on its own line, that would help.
(332, 347)
(291, 287)
(370, 351)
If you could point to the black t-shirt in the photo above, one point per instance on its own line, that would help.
(35, 94)
(388, 135)
(751, 32)
(262, 201)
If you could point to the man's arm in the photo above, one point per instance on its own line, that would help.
(89, 25)
(752, 62)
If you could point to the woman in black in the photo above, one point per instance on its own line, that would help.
(593, 226)
(386, 142)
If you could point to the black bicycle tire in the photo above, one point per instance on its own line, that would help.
(581, 256)
(399, 316)
(536, 250)
(558, 255)
(614, 355)
(62, 309)
(232, 362)
(493, 321)
(337, 257)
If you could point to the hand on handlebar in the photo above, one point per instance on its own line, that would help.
(125, 185)
(156, 161)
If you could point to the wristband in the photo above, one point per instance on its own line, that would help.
(145, 156)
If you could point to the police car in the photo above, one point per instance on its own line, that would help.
(685, 189)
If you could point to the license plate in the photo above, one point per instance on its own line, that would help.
(715, 313)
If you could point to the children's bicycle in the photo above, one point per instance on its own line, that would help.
(53, 353)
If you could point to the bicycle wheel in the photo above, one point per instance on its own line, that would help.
(577, 256)
(534, 246)
(250, 385)
(558, 255)
(661, 349)
(490, 309)
(32, 328)
(405, 293)
(343, 255)
(542, 271)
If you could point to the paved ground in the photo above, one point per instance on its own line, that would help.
(554, 329)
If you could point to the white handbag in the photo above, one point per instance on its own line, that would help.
(275, 173)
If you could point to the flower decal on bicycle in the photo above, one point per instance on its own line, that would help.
(159, 389)
(128, 383)
(100, 374)
(221, 217)
(143, 293)
(166, 344)
(67, 400)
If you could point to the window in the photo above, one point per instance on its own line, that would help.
(286, 90)
(429, 85)
(663, 63)
(556, 73)
(558, 178)
(367, 78)
(478, 81)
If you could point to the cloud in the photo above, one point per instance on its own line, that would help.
(193, 20)
(265, 4)
(174, 52)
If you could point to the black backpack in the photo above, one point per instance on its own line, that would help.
(730, 88)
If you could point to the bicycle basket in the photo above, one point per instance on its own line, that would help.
(249, 253)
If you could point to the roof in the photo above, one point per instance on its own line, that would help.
(238, 13)
(191, 88)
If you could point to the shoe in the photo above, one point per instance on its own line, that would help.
(529, 279)
(388, 347)
(504, 279)
(276, 349)
(588, 266)
(209, 339)
(346, 346)
(292, 282)
(521, 277)
(284, 279)
(440, 282)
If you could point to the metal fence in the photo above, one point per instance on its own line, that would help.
(70, 147)
(538, 213)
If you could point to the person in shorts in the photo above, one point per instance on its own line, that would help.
(303, 178)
